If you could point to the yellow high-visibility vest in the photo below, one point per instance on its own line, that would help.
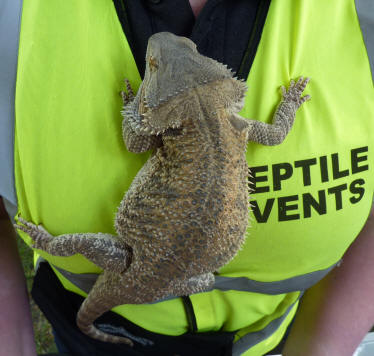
(312, 193)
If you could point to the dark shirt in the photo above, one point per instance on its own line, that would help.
(225, 30)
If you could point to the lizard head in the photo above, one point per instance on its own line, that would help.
(173, 69)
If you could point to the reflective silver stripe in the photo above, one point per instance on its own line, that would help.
(365, 12)
(293, 284)
(10, 19)
(251, 339)
(245, 342)
(85, 282)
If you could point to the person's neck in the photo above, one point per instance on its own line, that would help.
(197, 6)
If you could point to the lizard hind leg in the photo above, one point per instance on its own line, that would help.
(105, 250)
(195, 284)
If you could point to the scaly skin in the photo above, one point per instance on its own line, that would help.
(186, 212)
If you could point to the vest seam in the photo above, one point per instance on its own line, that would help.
(254, 40)
(121, 11)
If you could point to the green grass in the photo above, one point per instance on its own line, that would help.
(42, 329)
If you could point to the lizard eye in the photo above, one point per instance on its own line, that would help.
(152, 62)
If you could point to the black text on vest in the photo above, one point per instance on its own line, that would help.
(342, 185)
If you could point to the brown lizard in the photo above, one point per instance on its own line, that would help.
(186, 212)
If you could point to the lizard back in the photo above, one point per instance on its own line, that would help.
(190, 200)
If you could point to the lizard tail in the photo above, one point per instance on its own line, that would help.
(87, 314)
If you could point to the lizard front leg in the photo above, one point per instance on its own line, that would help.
(104, 250)
(134, 142)
(284, 116)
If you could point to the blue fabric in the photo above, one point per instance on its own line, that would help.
(365, 12)
(10, 15)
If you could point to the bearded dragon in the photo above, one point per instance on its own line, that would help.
(185, 214)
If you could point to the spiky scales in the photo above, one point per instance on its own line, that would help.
(185, 214)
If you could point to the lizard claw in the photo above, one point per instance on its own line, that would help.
(38, 233)
(295, 90)
(127, 97)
